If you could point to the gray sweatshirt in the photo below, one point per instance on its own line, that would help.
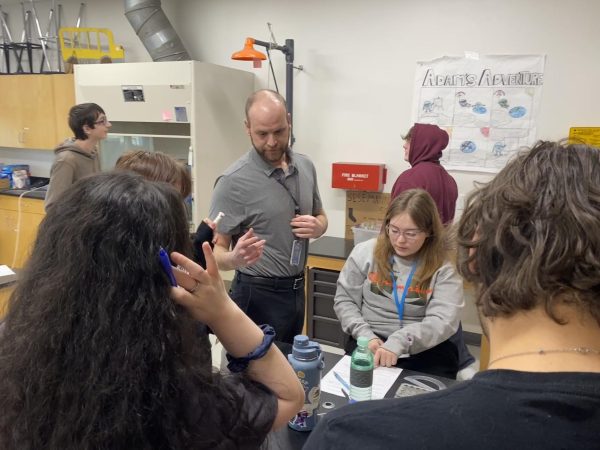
(71, 164)
(366, 310)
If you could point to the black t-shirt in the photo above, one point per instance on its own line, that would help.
(232, 412)
(497, 409)
(240, 419)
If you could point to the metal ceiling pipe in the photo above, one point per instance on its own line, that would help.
(155, 31)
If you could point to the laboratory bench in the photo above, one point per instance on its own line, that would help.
(288, 439)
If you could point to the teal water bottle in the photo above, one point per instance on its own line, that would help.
(307, 360)
(361, 371)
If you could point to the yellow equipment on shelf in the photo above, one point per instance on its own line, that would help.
(77, 44)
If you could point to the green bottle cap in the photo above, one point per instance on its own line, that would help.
(363, 341)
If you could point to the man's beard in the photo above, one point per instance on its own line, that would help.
(267, 155)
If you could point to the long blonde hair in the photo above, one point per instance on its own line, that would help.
(422, 210)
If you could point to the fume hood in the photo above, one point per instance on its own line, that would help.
(192, 110)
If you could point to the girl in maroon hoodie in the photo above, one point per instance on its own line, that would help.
(423, 149)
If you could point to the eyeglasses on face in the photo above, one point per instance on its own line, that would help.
(394, 233)
(104, 121)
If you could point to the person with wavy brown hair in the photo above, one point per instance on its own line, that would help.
(99, 351)
(157, 166)
(400, 291)
(530, 241)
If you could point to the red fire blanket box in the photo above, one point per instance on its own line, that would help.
(358, 176)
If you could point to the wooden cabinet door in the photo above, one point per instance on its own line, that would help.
(8, 225)
(64, 99)
(4, 296)
(10, 118)
(37, 111)
(34, 110)
(32, 214)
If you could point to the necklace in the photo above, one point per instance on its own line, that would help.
(542, 352)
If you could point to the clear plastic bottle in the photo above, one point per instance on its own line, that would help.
(361, 371)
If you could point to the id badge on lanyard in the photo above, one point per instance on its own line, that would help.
(296, 252)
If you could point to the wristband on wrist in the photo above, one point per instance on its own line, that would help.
(236, 365)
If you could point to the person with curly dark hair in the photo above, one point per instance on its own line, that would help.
(530, 241)
(99, 351)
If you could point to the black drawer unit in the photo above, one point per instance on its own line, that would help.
(322, 323)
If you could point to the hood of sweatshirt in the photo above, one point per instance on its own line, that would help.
(69, 145)
(426, 143)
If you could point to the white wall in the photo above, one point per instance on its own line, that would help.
(39, 161)
(353, 100)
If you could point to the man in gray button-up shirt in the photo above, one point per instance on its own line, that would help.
(272, 208)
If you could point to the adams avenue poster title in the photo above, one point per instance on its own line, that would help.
(483, 79)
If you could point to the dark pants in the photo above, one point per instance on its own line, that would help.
(441, 360)
(278, 302)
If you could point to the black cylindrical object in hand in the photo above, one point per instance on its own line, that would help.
(204, 233)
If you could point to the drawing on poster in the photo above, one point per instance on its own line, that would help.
(489, 106)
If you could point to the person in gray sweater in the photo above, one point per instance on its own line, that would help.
(77, 157)
(400, 291)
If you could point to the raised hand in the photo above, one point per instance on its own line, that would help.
(248, 249)
(200, 291)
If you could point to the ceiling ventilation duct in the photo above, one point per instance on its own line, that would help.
(155, 31)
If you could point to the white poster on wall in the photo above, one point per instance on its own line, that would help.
(489, 105)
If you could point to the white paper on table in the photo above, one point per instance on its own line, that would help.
(383, 379)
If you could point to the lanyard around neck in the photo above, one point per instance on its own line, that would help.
(281, 180)
(400, 303)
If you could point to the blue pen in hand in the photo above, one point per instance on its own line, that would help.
(165, 262)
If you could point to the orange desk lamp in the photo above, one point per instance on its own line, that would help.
(248, 53)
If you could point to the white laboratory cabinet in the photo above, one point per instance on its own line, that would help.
(191, 110)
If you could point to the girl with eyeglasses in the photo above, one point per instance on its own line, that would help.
(401, 292)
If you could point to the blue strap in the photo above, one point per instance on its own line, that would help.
(240, 364)
(400, 303)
